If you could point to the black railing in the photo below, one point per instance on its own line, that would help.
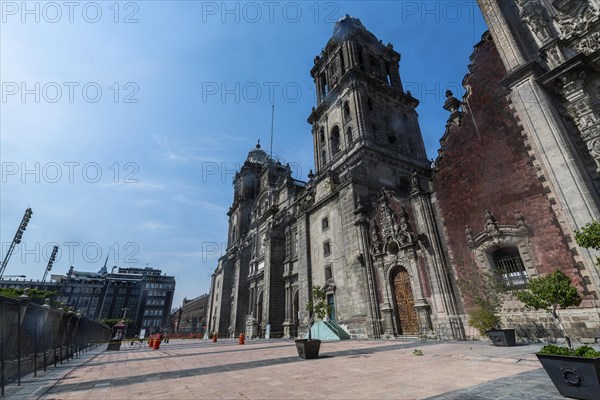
(33, 337)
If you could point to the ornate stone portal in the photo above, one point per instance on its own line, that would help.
(395, 252)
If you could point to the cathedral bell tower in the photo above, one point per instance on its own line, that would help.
(372, 217)
(361, 103)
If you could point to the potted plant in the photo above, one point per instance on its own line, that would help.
(485, 290)
(317, 309)
(574, 372)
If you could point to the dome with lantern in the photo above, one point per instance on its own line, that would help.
(257, 155)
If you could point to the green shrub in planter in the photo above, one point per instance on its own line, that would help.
(485, 290)
(549, 293)
(484, 320)
(574, 372)
(583, 351)
(317, 308)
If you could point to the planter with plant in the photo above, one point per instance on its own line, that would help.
(317, 309)
(485, 291)
(574, 372)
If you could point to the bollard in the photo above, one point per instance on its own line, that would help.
(242, 338)
(215, 337)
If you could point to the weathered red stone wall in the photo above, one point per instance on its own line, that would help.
(484, 165)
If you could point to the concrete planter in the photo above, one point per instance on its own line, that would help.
(576, 377)
(503, 337)
(308, 349)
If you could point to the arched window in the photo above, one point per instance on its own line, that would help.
(346, 111)
(335, 139)
(388, 75)
(349, 135)
(509, 266)
(324, 85)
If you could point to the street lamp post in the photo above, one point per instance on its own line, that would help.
(69, 334)
(2, 358)
(45, 311)
(76, 332)
(124, 322)
(61, 311)
(23, 300)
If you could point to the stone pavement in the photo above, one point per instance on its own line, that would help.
(260, 369)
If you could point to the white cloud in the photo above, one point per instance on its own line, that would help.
(155, 226)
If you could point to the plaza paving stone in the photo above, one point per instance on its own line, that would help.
(260, 369)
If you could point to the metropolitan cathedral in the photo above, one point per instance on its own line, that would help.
(388, 234)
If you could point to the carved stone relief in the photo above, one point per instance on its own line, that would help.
(537, 18)
(492, 231)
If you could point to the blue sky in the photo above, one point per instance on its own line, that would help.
(123, 123)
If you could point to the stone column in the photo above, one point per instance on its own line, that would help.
(505, 40)
(386, 309)
(583, 106)
(362, 225)
(567, 181)
(361, 125)
(438, 272)
(288, 301)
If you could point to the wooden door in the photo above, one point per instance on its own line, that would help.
(405, 303)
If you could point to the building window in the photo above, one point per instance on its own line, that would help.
(335, 139)
(388, 75)
(346, 111)
(349, 135)
(324, 85)
(327, 248)
(328, 273)
(331, 306)
(295, 244)
(509, 266)
(325, 224)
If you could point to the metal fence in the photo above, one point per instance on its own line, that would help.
(33, 337)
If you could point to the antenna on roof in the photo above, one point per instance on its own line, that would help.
(272, 122)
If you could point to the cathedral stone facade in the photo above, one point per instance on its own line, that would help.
(382, 230)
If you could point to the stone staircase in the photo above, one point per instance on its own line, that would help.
(328, 330)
